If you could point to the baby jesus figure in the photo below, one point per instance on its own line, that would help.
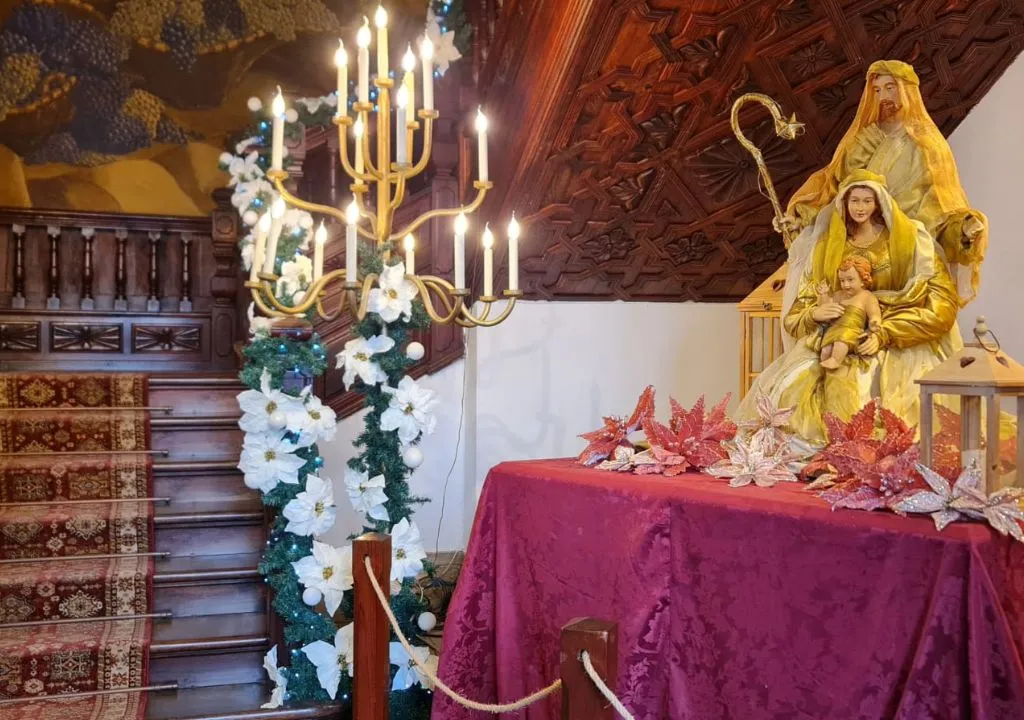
(861, 310)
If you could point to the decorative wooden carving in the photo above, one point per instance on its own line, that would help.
(616, 141)
(84, 337)
(168, 338)
(19, 336)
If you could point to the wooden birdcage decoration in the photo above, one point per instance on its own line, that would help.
(760, 315)
(978, 370)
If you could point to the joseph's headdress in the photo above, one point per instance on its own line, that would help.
(822, 186)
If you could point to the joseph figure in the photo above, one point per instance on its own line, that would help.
(893, 136)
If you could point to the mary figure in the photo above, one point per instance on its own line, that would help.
(918, 299)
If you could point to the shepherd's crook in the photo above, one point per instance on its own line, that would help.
(785, 129)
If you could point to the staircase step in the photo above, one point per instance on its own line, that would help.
(204, 585)
(231, 526)
(196, 439)
(65, 529)
(228, 702)
(199, 480)
(196, 395)
(209, 650)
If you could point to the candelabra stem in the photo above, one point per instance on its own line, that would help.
(384, 86)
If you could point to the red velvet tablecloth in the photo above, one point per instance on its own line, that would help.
(744, 603)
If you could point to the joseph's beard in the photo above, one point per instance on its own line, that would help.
(887, 110)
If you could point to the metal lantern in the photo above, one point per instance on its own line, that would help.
(981, 370)
(762, 328)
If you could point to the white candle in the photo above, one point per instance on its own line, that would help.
(276, 214)
(410, 254)
(513, 254)
(460, 250)
(341, 60)
(409, 82)
(363, 60)
(481, 145)
(427, 55)
(318, 251)
(357, 130)
(262, 229)
(277, 109)
(401, 150)
(488, 240)
(381, 21)
(351, 250)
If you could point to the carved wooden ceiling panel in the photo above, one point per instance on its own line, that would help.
(619, 148)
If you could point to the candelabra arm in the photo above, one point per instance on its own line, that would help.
(442, 288)
(469, 320)
(257, 298)
(364, 113)
(278, 180)
(344, 122)
(481, 192)
(358, 191)
(399, 191)
(428, 117)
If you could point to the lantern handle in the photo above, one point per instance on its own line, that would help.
(980, 331)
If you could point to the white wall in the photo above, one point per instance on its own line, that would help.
(989, 150)
(553, 369)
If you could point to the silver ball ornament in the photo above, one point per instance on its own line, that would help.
(412, 457)
(278, 420)
(427, 621)
(415, 351)
(291, 115)
(255, 104)
(249, 217)
(311, 596)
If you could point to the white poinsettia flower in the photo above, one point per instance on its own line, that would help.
(248, 250)
(410, 670)
(258, 325)
(278, 677)
(269, 459)
(445, 51)
(313, 421)
(393, 298)
(332, 660)
(367, 494)
(296, 275)
(242, 168)
(312, 104)
(248, 190)
(357, 359)
(247, 143)
(329, 570)
(312, 511)
(410, 410)
(258, 406)
(407, 553)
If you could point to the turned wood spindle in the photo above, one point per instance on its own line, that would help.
(185, 304)
(87, 302)
(18, 301)
(53, 300)
(153, 301)
(121, 292)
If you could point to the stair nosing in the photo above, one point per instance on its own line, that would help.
(193, 422)
(203, 466)
(236, 643)
(242, 517)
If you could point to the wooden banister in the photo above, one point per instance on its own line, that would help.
(372, 631)
(581, 700)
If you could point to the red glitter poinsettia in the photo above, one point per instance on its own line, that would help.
(692, 439)
(615, 433)
(868, 471)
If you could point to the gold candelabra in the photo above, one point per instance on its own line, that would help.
(444, 301)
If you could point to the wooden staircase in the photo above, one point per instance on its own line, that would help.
(213, 532)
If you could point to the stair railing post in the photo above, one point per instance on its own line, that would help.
(581, 700)
(372, 632)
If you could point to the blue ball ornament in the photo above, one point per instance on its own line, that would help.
(318, 461)
(264, 125)
(282, 348)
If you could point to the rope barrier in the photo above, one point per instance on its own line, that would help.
(463, 701)
(605, 690)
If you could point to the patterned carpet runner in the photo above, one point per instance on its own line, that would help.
(73, 493)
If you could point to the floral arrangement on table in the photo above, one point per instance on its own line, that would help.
(870, 463)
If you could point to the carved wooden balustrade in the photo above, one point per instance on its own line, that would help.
(119, 292)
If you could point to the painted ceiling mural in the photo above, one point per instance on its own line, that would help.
(125, 105)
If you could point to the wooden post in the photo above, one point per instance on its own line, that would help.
(372, 632)
(581, 700)
(991, 443)
(927, 413)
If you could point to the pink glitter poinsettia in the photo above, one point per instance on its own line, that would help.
(602, 443)
(692, 439)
